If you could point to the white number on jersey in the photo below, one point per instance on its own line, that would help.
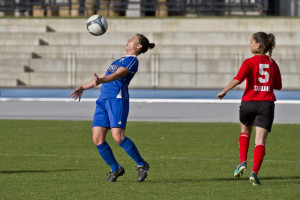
(263, 73)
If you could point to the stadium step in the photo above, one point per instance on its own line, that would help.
(9, 82)
(287, 25)
(20, 42)
(14, 61)
(120, 38)
(16, 55)
(13, 28)
(181, 64)
(189, 53)
(12, 68)
(201, 50)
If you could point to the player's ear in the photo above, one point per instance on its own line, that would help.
(258, 45)
(139, 46)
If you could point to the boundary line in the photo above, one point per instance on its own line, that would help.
(136, 100)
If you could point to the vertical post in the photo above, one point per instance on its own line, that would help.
(43, 4)
(134, 8)
(152, 73)
(14, 5)
(29, 74)
(297, 8)
(157, 74)
(196, 70)
(69, 69)
(265, 7)
(89, 7)
(74, 70)
(161, 8)
(236, 62)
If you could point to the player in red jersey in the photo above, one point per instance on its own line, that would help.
(262, 76)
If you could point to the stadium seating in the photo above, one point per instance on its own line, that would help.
(190, 53)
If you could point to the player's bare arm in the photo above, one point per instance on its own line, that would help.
(231, 85)
(76, 94)
(122, 71)
(78, 91)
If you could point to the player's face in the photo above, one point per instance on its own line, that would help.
(254, 47)
(133, 44)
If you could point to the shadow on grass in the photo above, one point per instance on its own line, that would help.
(280, 177)
(35, 171)
(220, 179)
(194, 180)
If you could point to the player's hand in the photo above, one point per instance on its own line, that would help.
(77, 93)
(221, 95)
(96, 80)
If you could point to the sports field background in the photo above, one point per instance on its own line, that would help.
(57, 160)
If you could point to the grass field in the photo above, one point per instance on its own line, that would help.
(57, 160)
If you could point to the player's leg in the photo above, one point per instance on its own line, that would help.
(99, 135)
(118, 113)
(244, 140)
(259, 150)
(263, 123)
(128, 145)
(259, 153)
(100, 129)
(246, 118)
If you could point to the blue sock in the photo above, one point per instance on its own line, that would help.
(108, 156)
(132, 151)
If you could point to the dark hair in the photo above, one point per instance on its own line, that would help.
(267, 42)
(145, 43)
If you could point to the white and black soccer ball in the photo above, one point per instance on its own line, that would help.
(97, 25)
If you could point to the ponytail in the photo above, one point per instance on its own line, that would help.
(271, 44)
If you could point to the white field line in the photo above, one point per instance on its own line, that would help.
(134, 100)
(152, 158)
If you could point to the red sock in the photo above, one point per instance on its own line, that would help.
(259, 153)
(243, 146)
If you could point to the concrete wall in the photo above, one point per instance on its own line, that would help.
(189, 53)
(159, 25)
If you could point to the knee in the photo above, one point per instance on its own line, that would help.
(97, 141)
(119, 139)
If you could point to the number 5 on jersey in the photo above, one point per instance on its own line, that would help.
(262, 72)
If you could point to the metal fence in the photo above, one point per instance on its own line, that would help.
(144, 7)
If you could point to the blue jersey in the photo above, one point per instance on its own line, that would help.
(119, 88)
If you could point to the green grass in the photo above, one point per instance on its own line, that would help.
(57, 160)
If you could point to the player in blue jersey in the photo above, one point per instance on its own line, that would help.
(112, 107)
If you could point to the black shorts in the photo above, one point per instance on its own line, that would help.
(257, 113)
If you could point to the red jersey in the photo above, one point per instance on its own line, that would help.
(262, 76)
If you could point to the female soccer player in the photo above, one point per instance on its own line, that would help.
(112, 107)
(262, 75)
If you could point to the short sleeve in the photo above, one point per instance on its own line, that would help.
(244, 71)
(278, 81)
(130, 63)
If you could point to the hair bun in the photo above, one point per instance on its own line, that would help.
(151, 45)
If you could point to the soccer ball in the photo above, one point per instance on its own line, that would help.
(97, 25)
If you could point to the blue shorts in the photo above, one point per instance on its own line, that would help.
(111, 113)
